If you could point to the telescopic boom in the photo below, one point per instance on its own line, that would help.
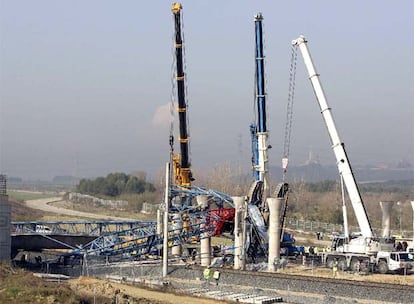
(338, 146)
(182, 172)
(262, 134)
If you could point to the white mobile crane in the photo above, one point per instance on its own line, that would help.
(363, 249)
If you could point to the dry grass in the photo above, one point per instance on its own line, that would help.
(19, 286)
(20, 212)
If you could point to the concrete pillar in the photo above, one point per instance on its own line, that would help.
(202, 201)
(5, 222)
(177, 226)
(274, 232)
(205, 251)
(239, 238)
(159, 222)
(205, 242)
(386, 208)
(412, 205)
(165, 226)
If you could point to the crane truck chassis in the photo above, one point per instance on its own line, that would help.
(382, 261)
(362, 251)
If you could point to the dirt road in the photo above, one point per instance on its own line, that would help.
(44, 204)
(140, 295)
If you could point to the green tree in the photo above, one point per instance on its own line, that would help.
(115, 184)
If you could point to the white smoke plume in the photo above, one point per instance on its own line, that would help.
(163, 116)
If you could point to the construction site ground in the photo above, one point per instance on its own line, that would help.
(45, 205)
(133, 294)
(90, 285)
(195, 288)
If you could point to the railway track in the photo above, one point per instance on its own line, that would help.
(330, 289)
(291, 288)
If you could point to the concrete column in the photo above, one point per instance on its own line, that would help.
(5, 222)
(177, 227)
(202, 201)
(239, 240)
(205, 242)
(159, 222)
(412, 205)
(274, 232)
(165, 228)
(386, 208)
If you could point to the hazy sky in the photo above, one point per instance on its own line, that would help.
(85, 85)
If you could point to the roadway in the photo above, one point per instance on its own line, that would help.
(30, 241)
(44, 204)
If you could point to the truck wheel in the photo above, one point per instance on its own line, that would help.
(355, 265)
(382, 267)
(342, 264)
(365, 266)
(329, 262)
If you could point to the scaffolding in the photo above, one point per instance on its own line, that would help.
(3, 184)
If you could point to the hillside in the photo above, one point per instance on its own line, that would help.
(315, 172)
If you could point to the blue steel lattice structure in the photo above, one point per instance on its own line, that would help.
(132, 239)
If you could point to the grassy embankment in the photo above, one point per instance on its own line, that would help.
(20, 212)
(20, 286)
(27, 195)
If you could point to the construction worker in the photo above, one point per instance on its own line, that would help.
(216, 276)
(207, 274)
(335, 268)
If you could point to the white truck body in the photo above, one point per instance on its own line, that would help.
(43, 229)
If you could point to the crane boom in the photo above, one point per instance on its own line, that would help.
(262, 134)
(338, 147)
(182, 172)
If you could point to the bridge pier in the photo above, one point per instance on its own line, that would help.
(239, 229)
(274, 232)
(205, 242)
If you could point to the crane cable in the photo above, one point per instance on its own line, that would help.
(289, 110)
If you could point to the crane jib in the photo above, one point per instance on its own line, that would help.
(180, 77)
(260, 85)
